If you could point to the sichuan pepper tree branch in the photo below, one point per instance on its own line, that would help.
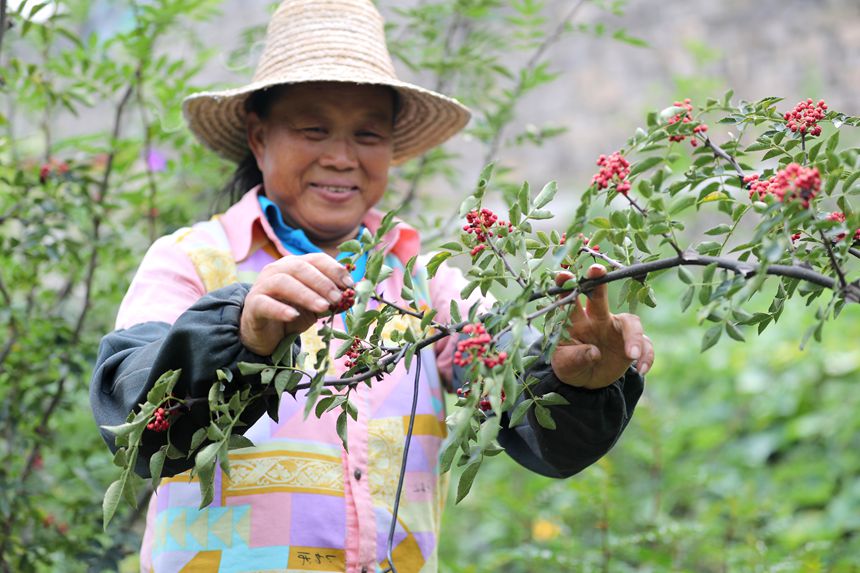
(747, 270)
(88, 282)
(836, 268)
(441, 86)
(721, 153)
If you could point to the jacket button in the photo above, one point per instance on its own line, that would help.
(357, 474)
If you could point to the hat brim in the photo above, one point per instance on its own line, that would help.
(425, 118)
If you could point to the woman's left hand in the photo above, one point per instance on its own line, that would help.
(601, 345)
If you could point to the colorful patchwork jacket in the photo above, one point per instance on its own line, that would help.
(297, 501)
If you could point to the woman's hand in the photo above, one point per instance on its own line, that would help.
(288, 297)
(601, 345)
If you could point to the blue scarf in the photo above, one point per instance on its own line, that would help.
(297, 242)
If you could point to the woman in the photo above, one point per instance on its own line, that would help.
(315, 134)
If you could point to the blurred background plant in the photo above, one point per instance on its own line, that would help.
(742, 459)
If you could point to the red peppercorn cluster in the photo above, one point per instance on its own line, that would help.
(480, 223)
(478, 345)
(353, 353)
(47, 169)
(686, 117)
(794, 183)
(584, 240)
(805, 116)
(347, 299)
(614, 170)
(839, 217)
(349, 266)
(160, 421)
(483, 404)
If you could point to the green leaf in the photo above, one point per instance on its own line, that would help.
(734, 332)
(711, 336)
(520, 411)
(341, 430)
(552, 399)
(205, 458)
(470, 203)
(197, 439)
(832, 142)
(156, 464)
(436, 261)
(682, 203)
(374, 266)
(544, 417)
(601, 223)
(455, 312)
(111, 501)
(283, 354)
(718, 230)
(267, 375)
(351, 246)
(687, 298)
(546, 195)
(250, 368)
(467, 478)
(446, 457)
(644, 165)
(238, 441)
(523, 197)
(685, 275)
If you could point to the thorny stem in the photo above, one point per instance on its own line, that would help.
(644, 213)
(720, 152)
(842, 282)
(507, 264)
(638, 270)
(409, 311)
(603, 256)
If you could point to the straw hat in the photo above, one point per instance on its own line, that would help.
(326, 40)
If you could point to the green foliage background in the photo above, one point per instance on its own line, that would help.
(741, 459)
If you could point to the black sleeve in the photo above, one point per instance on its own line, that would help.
(202, 340)
(586, 428)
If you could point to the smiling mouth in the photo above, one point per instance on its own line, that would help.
(340, 189)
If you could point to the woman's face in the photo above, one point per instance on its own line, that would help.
(324, 150)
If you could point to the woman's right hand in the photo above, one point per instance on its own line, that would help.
(288, 297)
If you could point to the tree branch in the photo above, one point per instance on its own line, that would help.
(439, 87)
(530, 65)
(720, 152)
(2, 23)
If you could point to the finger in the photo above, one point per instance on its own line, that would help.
(576, 311)
(315, 279)
(631, 332)
(326, 265)
(577, 356)
(265, 307)
(597, 306)
(290, 290)
(332, 269)
(647, 360)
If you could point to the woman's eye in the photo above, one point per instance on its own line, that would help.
(313, 131)
(369, 135)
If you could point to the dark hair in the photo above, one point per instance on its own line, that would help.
(247, 174)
